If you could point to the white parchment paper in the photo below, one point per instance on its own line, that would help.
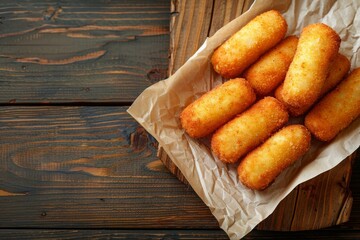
(238, 209)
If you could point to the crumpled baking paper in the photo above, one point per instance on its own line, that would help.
(238, 209)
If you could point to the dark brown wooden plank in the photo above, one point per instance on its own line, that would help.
(225, 11)
(195, 234)
(355, 190)
(189, 28)
(88, 167)
(193, 21)
(323, 201)
(81, 51)
(112, 234)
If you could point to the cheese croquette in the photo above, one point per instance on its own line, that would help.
(216, 107)
(317, 48)
(246, 131)
(339, 68)
(248, 44)
(336, 110)
(262, 165)
(270, 70)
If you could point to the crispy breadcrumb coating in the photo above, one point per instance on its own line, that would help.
(248, 44)
(339, 68)
(270, 70)
(262, 165)
(216, 107)
(248, 130)
(317, 48)
(336, 110)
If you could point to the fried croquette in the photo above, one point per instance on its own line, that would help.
(249, 43)
(336, 110)
(248, 130)
(262, 165)
(339, 68)
(270, 70)
(294, 111)
(317, 48)
(216, 107)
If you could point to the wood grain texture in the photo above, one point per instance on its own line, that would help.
(318, 203)
(190, 234)
(81, 51)
(88, 167)
(193, 21)
(189, 28)
(91, 172)
(323, 201)
(183, 44)
(113, 234)
(94, 167)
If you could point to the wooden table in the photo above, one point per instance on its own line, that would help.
(73, 163)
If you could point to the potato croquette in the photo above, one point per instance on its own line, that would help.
(339, 68)
(248, 130)
(216, 107)
(336, 110)
(317, 48)
(270, 70)
(248, 44)
(292, 110)
(262, 165)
